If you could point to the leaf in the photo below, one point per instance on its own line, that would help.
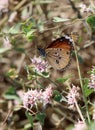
(11, 94)
(27, 126)
(29, 25)
(41, 117)
(57, 96)
(91, 126)
(12, 73)
(91, 22)
(45, 74)
(30, 33)
(87, 90)
(58, 19)
(30, 117)
(22, 50)
(80, 39)
(2, 50)
(15, 29)
(64, 79)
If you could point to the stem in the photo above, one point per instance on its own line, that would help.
(79, 111)
(81, 83)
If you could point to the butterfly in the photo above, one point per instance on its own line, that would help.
(58, 53)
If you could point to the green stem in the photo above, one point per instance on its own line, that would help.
(81, 83)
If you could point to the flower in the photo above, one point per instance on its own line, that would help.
(46, 95)
(84, 8)
(4, 5)
(33, 97)
(39, 64)
(80, 125)
(72, 95)
(30, 98)
(92, 78)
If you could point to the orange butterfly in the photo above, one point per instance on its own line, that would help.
(58, 53)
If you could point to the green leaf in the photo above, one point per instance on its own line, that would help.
(30, 33)
(57, 96)
(91, 126)
(64, 79)
(58, 19)
(12, 73)
(41, 117)
(87, 90)
(2, 50)
(45, 74)
(80, 39)
(15, 29)
(22, 50)
(30, 117)
(91, 22)
(27, 126)
(11, 94)
(29, 25)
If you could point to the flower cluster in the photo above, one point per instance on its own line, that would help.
(39, 64)
(4, 5)
(32, 97)
(73, 95)
(80, 126)
(84, 8)
(92, 78)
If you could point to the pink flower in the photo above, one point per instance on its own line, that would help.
(46, 95)
(80, 126)
(4, 5)
(39, 64)
(33, 97)
(30, 98)
(92, 78)
(84, 8)
(72, 95)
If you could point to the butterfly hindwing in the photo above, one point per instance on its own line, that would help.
(58, 58)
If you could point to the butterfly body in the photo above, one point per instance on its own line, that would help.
(58, 53)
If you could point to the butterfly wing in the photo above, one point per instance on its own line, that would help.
(58, 53)
(58, 58)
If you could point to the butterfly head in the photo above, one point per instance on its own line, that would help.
(42, 51)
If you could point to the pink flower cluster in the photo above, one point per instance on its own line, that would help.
(32, 97)
(4, 5)
(84, 8)
(73, 95)
(92, 78)
(39, 64)
(80, 126)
